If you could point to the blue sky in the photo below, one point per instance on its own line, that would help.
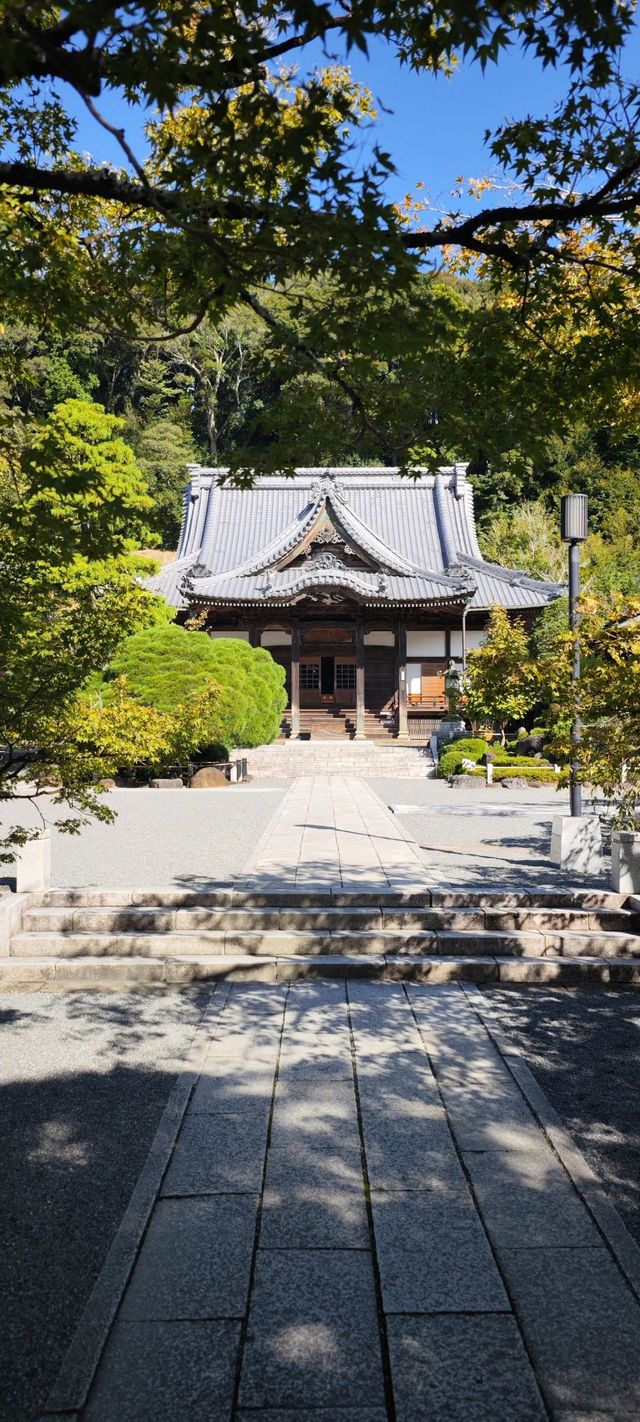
(432, 127)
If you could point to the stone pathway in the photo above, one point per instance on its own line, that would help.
(351, 1213)
(334, 832)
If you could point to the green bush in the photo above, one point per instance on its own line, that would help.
(544, 773)
(467, 748)
(451, 760)
(164, 666)
(528, 761)
(473, 747)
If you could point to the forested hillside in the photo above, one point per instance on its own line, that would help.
(436, 381)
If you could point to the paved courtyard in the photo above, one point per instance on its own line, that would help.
(481, 837)
(194, 838)
(465, 838)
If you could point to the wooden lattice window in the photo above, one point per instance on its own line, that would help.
(345, 676)
(309, 676)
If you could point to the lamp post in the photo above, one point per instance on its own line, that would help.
(574, 526)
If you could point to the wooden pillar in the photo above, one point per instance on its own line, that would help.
(403, 719)
(254, 635)
(295, 681)
(360, 733)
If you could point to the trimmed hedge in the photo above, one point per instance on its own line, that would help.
(451, 760)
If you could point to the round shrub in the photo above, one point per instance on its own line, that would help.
(167, 665)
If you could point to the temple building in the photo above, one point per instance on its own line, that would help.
(365, 585)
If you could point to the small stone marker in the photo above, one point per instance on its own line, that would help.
(166, 784)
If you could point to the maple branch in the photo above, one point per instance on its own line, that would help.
(110, 187)
(607, 202)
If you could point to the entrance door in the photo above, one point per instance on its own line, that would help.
(327, 678)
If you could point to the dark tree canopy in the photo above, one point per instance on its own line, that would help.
(253, 175)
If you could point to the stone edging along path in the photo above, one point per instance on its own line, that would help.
(359, 1205)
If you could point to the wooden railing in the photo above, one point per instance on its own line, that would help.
(427, 703)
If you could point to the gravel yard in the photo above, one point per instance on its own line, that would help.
(484, 838)
(195, 838)
(583, 1045)
(84, 1079)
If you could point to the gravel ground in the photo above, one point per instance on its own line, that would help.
(583, 1045)
(195, 838)
(482, 838)
(83, 1082)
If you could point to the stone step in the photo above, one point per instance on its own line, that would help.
(229, 919)
(98, 972)
(140, 919)
(280, 943)
(593, 900)
(271, 943)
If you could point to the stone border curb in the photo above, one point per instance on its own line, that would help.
(70, 1391)
(589, 1187)
(244, 879)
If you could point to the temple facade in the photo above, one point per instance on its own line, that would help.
(366, 586)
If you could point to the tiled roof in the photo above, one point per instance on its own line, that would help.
(419, 534)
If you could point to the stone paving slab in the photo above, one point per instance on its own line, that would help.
(195, 1260)
(311, 1112)
(526, 1199)
(313, 1331)
(298, 1215)
(461, 1369)
(433, 1254)
(233, 1086)
(336, 1168)
(581, 1324)
(217, 1154)
(159, 1372)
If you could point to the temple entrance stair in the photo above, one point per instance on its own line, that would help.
(329, 723)
(103, 938)
(288, 759)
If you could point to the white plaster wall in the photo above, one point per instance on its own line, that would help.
(426, 643)
(275, 637)
(240, 636)
(475, 638)
(379, 639)
(414, 678)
